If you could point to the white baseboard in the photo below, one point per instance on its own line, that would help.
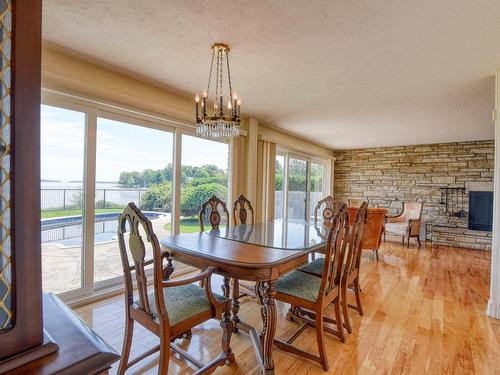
(493, 309)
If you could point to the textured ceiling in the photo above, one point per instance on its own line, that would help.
(343, 74)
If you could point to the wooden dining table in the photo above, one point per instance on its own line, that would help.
(261, 252)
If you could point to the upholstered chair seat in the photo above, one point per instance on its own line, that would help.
(300, 284)
(398, 229)
(315, 267)
(184, 302)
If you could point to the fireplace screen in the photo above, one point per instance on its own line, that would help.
(6, 308)
(480, 210)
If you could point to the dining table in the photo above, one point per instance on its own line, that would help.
(259, 252)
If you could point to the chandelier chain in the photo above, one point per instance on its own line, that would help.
(210, 74)
(229, 78)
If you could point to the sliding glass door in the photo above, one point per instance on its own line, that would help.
(204, 173)
(299, 185)
(297, 189)
(133, 164)
(62, 171)
(93, 163)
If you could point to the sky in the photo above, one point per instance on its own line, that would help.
(119, 147)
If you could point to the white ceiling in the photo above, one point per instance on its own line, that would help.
(343, 74)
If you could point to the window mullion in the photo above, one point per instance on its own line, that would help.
(89, 201)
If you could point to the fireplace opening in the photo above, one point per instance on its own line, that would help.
(480, 210)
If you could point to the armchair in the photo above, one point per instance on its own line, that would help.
(407, 223)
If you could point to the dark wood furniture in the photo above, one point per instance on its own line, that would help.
(174, 306)
(38, 333)
(350, 277)
(374, 228)
(241, 208)
(273, 249)
(311, 295)
(211, 210)
(407, 223)
(328, 207)
(243, 220)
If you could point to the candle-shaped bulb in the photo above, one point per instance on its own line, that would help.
(229, 105)
(205, 95)
(239, 101)
(235, 96)
(197, 98)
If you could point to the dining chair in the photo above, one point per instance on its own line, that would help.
(243, 217)
(328, 208)
(352, 262)
(241, 208)
(407, 223)
(311, 295)
(173, 307)
(212, 210)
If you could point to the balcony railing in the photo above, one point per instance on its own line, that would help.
(72, 199)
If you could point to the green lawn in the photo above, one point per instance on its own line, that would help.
(188, 225)
(63, 213)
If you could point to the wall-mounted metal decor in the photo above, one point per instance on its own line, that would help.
(6, 291)
(453, 199)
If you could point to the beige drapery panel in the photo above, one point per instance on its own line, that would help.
(266, 159)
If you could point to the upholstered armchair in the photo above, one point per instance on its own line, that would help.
(407, 223)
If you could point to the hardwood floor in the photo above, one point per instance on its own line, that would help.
(424, 313)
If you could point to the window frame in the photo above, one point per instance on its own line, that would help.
(93, 109)
(309, 159)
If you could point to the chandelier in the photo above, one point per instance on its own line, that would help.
(223, 123)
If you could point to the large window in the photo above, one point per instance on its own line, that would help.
(204, 174)
(299, 185)
(279, 186)
(93, 163)
(62, 171)
(133, 164)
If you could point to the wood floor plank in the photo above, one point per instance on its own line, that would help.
(424, 312)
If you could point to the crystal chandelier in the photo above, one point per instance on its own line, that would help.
(222, 123)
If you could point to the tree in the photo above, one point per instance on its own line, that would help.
(194, 196)
(158, 197)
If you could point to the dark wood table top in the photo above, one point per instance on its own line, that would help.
(261, 245)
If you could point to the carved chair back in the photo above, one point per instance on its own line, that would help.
(328, 207)
(335, 250)
(353, 257)
(212, 210)
(131, 221)
(412, 211)
(240, 213)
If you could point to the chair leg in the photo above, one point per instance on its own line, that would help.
(419, 243)
(347, 322)
(127, 343)
(320, 339)
(225, 287)
(338, 320)
(227, 331)
(164, 355)
(408, 242)
(376, 253)
(357, 291)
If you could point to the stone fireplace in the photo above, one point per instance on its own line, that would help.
(388, 176)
